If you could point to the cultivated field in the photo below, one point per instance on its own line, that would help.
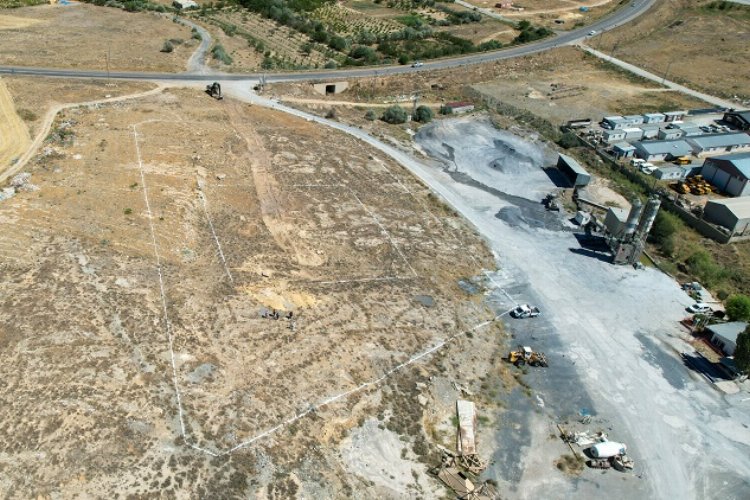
(691, 43)
(134, 282)
(83, 36)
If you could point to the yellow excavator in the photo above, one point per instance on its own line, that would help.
(524, 355)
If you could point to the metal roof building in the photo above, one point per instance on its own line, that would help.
(711, 144)
(729, 173)
(733, 214)
(573, 170)
(725, 335)
(661, 150)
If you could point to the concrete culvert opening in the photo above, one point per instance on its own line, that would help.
(330, 89)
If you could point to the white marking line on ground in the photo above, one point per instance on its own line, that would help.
(213, 233)
(167, 323)
(386, 233)
(442, 223)
(312, 408)
(361, 280)
(361, 387)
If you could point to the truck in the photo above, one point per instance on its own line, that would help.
(525, 311)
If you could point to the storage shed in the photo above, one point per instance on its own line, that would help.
(653, 118)
(724, 335)
(729, 173)
(732, 213)
(669, 134)
(623, 150)
(670, 173)
(611, 136)
(573, 170)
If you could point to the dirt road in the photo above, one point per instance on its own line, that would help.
(14, 136)
(29, 149)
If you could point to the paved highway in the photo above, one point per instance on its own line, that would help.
(617, 18)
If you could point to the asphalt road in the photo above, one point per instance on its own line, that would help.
(617, 18)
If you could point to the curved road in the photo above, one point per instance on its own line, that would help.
(617, 18)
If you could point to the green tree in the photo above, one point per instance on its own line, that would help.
(738, 308)
(665, 225)
(568, 140)
(742, 352)
(423, 114)
(167, 47)
(395, 114)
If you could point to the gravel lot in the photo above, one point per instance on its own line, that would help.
(611, 334)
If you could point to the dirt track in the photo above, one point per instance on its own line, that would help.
(14, 136)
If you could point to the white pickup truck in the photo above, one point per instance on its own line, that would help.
(525, 311)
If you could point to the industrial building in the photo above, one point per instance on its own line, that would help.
(573, 170)
(714, 144)
(724, 335)
(661, 150)
(740, 119)
(729, 173)
(732, 213)
(627, 230)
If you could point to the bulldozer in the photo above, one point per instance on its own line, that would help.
(524, 354)
(214, 90)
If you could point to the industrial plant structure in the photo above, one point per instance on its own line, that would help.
(628, 242)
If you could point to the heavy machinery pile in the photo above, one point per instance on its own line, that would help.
(524, 355)
(696, 185)
(214, 90)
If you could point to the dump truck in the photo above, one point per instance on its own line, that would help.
(214, 90)
(682, 160)
(525, 311)
(524, 355)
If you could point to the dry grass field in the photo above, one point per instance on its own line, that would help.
(81, 36)
(133, 286)
(700, 47)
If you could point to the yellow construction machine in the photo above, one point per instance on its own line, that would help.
(524, 355)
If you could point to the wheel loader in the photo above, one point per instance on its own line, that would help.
(524, 354)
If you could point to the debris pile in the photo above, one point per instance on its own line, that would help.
(600, 451)
(459, 471)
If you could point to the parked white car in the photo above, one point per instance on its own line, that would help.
(699, 308)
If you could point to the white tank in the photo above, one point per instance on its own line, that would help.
(608, 449)
(633, 216)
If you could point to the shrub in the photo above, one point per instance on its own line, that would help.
(167, 47)
(395, 114)
(423, 114)
(738, 308)
(220, 54)
(665, 226)
(370, 115)
(331, 114)
(403, 59)
(331, 64)
(702, 265)
(568, 140)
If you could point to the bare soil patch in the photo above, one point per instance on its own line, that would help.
(14, 136)
(695, 46)
(83, 36)
(232, 209)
